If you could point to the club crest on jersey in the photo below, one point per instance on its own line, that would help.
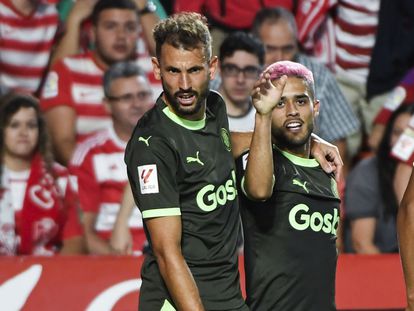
(148, 178)
(225, 138)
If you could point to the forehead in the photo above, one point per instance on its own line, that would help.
(296, 86)
(181, 58)
(24, 113)
(276, 33)
(242, 58)
(129, 83)
(118, 15)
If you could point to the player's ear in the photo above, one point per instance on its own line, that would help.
(156, 68)
(212, 66)
(316, 107)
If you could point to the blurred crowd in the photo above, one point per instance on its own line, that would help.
(76, 76)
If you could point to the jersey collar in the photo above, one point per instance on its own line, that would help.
(115, 138)
(188, 124)
(299, 160)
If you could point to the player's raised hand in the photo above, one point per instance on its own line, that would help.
(266, 94)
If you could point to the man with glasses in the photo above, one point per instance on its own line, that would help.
(241, 60)
(98, 162)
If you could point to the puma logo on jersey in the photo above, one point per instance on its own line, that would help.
(196, 159)
(300, 184)
(144, 140)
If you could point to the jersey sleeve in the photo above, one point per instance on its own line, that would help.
(393, 101)
(152, 172)
(241, 163)
(56, 90)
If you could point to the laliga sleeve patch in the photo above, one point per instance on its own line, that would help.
(148, 178)
(51, 85)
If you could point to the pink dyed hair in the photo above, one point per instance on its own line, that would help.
(288, 68)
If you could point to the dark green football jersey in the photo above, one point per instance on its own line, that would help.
(181, 167)
(290, 251)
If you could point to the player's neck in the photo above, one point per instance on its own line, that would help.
(302, 151)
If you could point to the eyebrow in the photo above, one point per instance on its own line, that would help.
(300, 96)
(271, 46)
(189, 69)
(236, 65)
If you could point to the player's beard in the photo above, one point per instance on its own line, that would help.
(290, 142)
(200, 98)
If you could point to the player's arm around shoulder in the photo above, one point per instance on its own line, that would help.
(240, 142)
(165, 233)
(258, 179)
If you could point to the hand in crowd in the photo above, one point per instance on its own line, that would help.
(80, 11)
(121, 240)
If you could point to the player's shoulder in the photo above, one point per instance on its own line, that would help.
(150, 124)
(240, 142)
(150, 132)
(215, 101)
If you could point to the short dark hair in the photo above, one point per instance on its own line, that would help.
(118, 70)
(102, 5)
(187, 30)
(273, 15)
(241, 41)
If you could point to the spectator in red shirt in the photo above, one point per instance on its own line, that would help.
(98, 161)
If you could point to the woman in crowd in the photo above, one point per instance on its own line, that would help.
(370, 199)
(38, 213)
